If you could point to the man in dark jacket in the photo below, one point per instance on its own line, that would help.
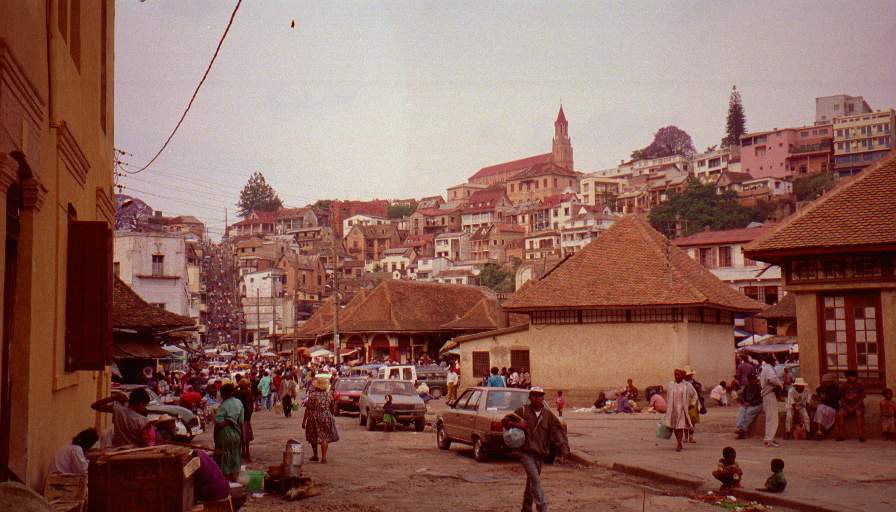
(750, 405)
(543, 429)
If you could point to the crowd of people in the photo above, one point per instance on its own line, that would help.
(222, 317)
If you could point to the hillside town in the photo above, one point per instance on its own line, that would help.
(593, 338)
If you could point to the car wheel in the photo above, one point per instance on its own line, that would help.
(479, 452)
(361, 419)
(371, 424)
(436, 393)
(442, 439)
(419, 425)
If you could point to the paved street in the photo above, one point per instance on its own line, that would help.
(373, 471)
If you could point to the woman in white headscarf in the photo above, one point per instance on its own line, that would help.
(679, 394)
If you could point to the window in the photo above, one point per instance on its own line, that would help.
(751, 292)
(158, 264)
(472, 403)
(116, 269)
(519, 359)
(725, 256)
(88, 320)
(706, 257)
(481, 364)
(69, 23)
(160, 305)
(771, 294)
(850, 330)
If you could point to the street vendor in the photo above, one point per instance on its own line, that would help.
(130, 424)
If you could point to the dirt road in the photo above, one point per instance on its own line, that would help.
(404, 471)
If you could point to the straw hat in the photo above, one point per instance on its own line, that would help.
(322, 382)
(536, 390)
(689, 371)
(800, 382)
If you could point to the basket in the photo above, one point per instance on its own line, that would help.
(662, 431)
(256, 480)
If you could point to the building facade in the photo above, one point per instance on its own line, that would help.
(861, 140)
(154, 265)
(56, 176)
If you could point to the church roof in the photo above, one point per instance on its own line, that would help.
(515, 165)
(629, 265)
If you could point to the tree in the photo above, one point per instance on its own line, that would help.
(808, 188)
(667, 141)
(400, 211)
(258, 195)
(697, 207)
(129, 212)
(736, 125)
(498, 278)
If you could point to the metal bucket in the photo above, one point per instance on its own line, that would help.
(293, 456)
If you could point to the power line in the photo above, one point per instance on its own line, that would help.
(196, 92)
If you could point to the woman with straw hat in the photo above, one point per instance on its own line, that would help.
(318, 421)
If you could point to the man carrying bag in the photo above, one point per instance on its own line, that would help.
(542, 429)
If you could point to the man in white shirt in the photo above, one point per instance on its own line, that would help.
(452, 384)
(70, 459)
(720, 394)
(771, 385)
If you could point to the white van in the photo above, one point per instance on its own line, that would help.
(398, 373)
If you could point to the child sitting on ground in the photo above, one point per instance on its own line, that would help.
(388, 415)
(776, 482)
(888, 414)
(728, 472)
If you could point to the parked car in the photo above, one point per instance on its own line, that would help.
(475, 419)
(404, 372)
(188, 425)
(346, 393)
(409, 407)
(435, 377)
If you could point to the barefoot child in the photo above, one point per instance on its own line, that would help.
(561, 403)
(728, 472)
(888, 414)
(775, 483)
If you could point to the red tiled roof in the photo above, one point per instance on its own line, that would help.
(785, 309)
(859, 213)
(484, 315)
(726, 236)
(130, 311)
(410, 306)
(509, 228)
(544, 169)
(292, 213)
(515, 165)
(483, 200)
(630, 265)
(552, 201)
(262, 217)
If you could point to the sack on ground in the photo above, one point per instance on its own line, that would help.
(662, 431)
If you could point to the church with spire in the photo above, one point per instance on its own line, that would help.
(535, 177)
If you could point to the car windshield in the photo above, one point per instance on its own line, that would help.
(349, 385)
(505, 400)
(392, 388)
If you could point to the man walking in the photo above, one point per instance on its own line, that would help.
(771, 385)
(264, 387)
(287, 394)
(452, 384)
(543, 429)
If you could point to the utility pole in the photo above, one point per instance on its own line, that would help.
(336, 303)
(257, 320)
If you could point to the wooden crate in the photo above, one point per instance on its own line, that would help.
(147, 481)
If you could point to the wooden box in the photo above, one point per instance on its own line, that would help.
(154, 480)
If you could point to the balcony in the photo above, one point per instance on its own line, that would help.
(825, 147)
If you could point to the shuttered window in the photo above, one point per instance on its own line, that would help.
(519, 359)
(480, 364)
(88, 304)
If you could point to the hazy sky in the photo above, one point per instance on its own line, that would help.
(403, 99)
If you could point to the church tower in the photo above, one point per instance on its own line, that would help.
(561, 153)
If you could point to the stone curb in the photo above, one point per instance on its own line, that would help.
(696, 483)
(659, 476)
